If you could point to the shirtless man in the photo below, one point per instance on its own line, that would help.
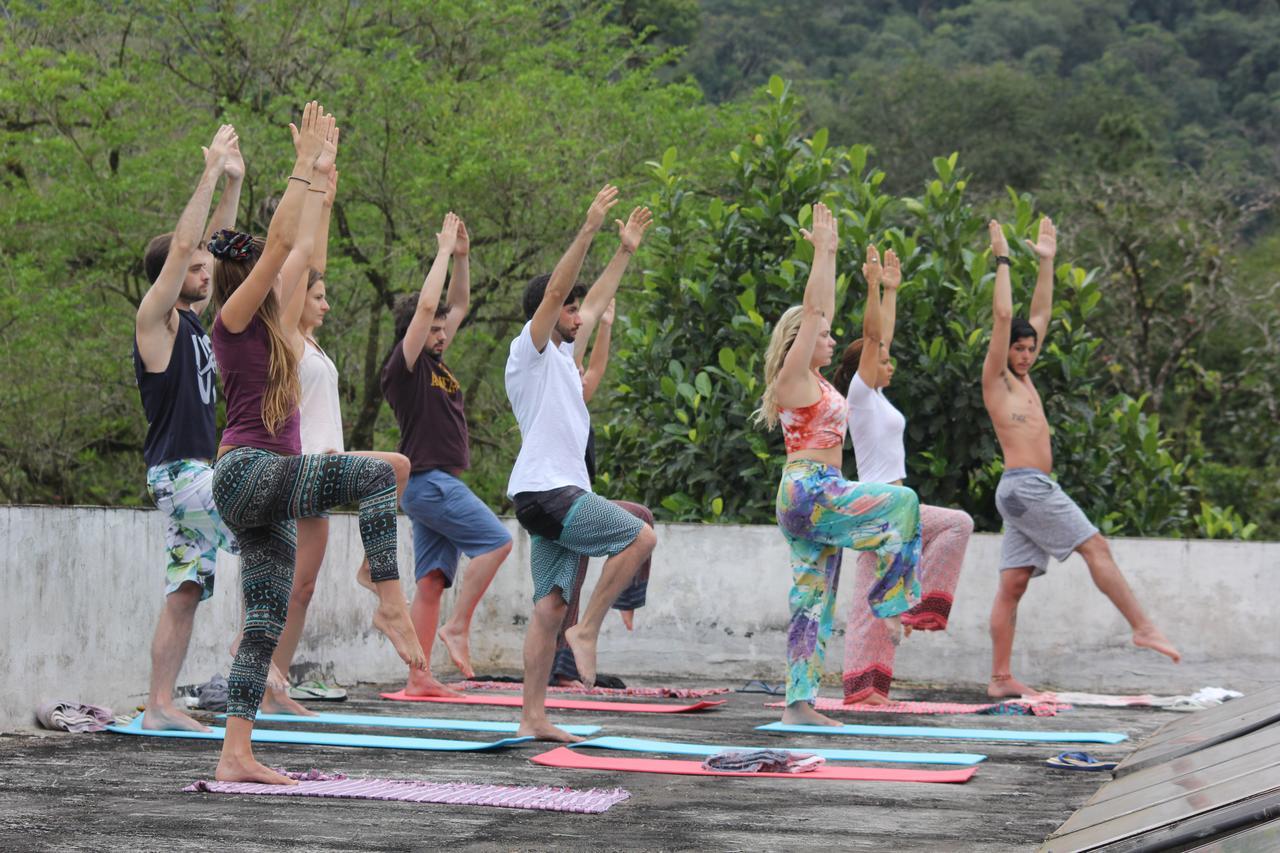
(1039, 519)
(173, 362)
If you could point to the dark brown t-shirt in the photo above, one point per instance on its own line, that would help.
(427, 402)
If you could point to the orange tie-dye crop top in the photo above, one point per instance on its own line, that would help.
(817, 426)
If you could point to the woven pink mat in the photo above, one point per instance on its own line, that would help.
(1014, 708)
(656, 692)
(337, 785)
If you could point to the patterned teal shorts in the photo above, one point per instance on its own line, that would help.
(592, 527)
(183, 491)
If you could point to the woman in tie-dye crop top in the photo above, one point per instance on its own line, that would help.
(819, 511)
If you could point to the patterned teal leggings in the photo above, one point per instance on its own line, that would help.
(259, 495)
(820, 514)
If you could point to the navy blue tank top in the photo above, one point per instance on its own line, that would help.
(181, 402)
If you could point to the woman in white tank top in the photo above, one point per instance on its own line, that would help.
(877, 429)
(321, 428)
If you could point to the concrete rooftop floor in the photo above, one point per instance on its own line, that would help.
(110, 792)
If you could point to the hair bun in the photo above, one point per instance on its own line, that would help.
(228, 245)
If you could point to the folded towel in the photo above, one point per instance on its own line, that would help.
(74, 717)
(212, 695)
(763, 761)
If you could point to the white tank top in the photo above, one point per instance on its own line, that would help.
(321, 414)
(876, 428)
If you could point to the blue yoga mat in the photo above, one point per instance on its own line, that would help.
(329, 739)
(412, 723)
(632, 744)
(951, 734)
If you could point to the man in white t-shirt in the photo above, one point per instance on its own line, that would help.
(549, 482)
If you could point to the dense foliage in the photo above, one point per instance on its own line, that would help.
(1148, 130)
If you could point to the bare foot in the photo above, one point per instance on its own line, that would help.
(584, 654)
(458, 644)
(157, 718)
(545, 731)
(425, 684)
(568, 682)
(1008, 687)
(395, 623)
(874, 699)
(248, 770)
(804, 714)
(276, 679)
(1152, 638)
(276, 702)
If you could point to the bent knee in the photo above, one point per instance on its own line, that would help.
(400, 465)
(646, 540)
(1095, 546)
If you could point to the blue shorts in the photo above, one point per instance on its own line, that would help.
(447, 520)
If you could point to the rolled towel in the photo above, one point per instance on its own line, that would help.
(762, 761)
(74, 717)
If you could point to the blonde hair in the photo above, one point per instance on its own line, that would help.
(283, 388)
(784, 335)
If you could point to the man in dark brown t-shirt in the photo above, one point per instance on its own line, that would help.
(447, 518)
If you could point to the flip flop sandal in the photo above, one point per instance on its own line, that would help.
(1079, 761)
(317, 691)
(757, 686)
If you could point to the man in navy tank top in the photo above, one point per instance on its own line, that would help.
(173, 362)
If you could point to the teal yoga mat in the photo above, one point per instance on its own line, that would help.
(413, 723)
(951, 734)
(632, 744)
(330, 739)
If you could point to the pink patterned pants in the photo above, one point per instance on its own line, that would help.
(869, 653)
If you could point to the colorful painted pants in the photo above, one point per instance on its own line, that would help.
(260, 494)
(869, 652)
(183, 491)
(631, 598)
(821, 513)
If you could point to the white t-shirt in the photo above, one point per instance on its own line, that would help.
(545, 390)
(319, 410)
(876, 428)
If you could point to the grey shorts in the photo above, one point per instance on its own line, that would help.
(1039, 521)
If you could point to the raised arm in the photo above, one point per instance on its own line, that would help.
(155, 311)
(606, 286)
(890, 279)
(872, 318)
(795, 377)
(1001, 310)
(224, 215)
(459, 297)
(599, 354)
(1045, 247)
(567, 269)
(415, 338)
(302, 259)
(313, 141)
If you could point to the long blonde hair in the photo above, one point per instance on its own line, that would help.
(784, 335)
(283, 389)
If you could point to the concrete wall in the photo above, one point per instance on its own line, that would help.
(80, 590)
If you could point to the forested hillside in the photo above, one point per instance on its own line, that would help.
(1150, 131)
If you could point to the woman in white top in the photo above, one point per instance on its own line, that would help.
(877, 428)
(320, 416)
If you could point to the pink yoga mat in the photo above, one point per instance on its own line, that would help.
(338, 786)
(578, 760)
(1015, 706)
(646, 692)
(559, 704)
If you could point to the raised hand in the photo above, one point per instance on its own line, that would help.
(605, 199)
(463, 247)
(999, 245)
(871, 269)
(824, 236)
(309, 137)
(233, 168)
(633, 231)
(892, 270)
(327, 159)
(447, 239)
(219, 151)
(606, 319)
(1047, 244)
